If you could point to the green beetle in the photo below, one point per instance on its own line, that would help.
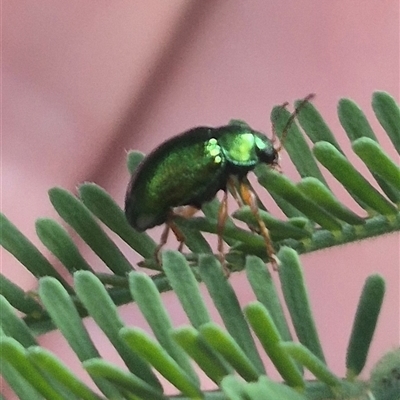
(191, 168)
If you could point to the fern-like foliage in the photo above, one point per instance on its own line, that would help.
(228, 355)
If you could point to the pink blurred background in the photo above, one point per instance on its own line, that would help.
(83, 82)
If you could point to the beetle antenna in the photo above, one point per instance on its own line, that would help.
(290, 120)
(274, 134)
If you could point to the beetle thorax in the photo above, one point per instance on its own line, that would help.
(239, 149)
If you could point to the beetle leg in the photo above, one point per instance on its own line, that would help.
(178, 234)
(249, 198)
(169, 225)
(232, 186)
(163, 240)
(183, 211)
(222, 217)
